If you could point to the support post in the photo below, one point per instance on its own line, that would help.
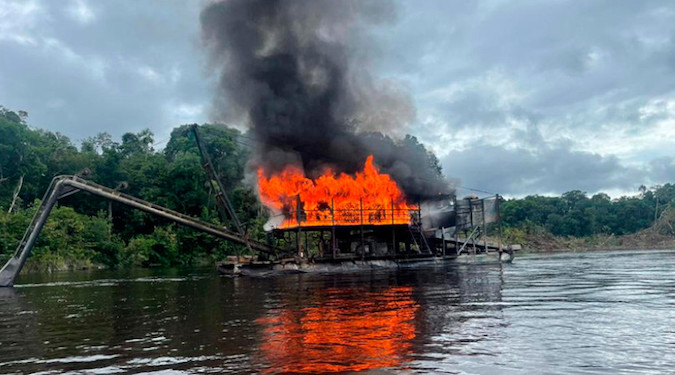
(443, 240)
(393, 230)
(297, 217)
(485, 245)
(499, 221)
(363, 246)
(332, 216)
(11, 270)
(456, 227)
(473, 226)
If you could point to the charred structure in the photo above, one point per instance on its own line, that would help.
(444, 227)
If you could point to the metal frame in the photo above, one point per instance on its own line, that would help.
(358, 220)
(470, 217)
(63, 186)
(351, 217)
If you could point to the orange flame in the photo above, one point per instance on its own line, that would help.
(341, 333)
(369, 197)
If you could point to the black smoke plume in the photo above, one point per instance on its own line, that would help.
(297, 72)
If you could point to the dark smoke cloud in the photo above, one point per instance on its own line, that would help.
(297, 73)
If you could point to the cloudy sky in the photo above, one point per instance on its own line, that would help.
(515, 97)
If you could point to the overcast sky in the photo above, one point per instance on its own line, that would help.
(515, 97)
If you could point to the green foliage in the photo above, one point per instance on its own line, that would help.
(69, 240)
(12, 228)
(575, 214)
(32, 157)
(160, 248)
(514, 235)
(92, 231)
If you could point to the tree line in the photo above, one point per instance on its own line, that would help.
(85, 231)
(575, 214)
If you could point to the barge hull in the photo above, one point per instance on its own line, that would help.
(262, 269)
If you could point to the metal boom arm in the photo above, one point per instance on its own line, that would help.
(62, 186)
(222, 200)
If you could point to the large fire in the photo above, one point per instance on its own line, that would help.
(368, 197)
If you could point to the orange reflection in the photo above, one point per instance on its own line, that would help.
(343, 331)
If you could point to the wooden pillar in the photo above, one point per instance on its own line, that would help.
(473, 227)
(332, 216)
(499, 221)
(393, 230)
(298, 246)
(456, 227)
(443, 239)
(307, 244)
(363, 246)
(484, 227)
(297, 218)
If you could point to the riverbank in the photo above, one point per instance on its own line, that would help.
(548, 243)
(661, 235)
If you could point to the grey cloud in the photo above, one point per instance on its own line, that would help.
(475, 107)
(526, 72)
(519, 171)
(663, 169)
(566, 57)
(131, 65)
(575, 71)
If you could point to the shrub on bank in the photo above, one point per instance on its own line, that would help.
(69, 240)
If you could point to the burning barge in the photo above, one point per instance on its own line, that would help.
(344, 223)
(334, 223)
(363, 246)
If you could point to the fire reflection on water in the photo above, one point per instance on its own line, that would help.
(343, 330)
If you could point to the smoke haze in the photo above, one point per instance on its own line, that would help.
(297, 73)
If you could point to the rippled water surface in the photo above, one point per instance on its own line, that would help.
(575, 313)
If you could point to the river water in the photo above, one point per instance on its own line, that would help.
(590, 313)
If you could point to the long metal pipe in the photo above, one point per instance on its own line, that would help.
(11, 270)
(166, 213)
